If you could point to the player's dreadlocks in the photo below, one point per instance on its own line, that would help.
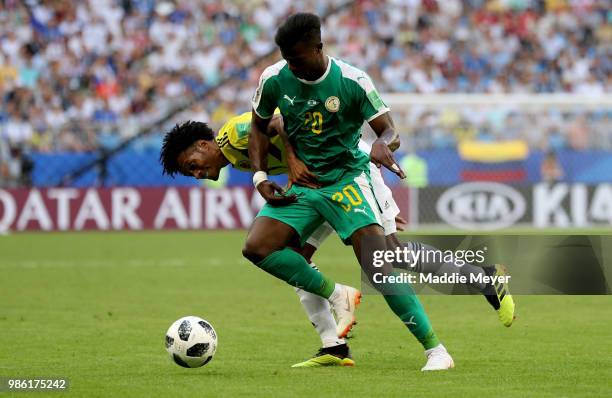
(300, 27)
(179, 139)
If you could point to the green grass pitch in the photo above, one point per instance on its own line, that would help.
(94, 307)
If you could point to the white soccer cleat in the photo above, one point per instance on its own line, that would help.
(438, 359)
(344, 300)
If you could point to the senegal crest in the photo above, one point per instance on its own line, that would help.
(332, 104)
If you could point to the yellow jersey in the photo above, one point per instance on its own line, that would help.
(233, 140)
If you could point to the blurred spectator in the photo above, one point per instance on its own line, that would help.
(415, 168)
(551, 170)
(73, 69)
(15, 166)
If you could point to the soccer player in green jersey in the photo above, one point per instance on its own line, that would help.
(192, 149)
(324, 102)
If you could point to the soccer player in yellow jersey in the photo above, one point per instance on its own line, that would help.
(192, 149)
(209, 154)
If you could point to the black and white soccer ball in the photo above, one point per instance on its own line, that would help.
(191, 342)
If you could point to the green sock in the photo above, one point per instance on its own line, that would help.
(291, 267)
(407, 306)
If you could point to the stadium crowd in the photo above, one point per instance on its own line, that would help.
(77, 75)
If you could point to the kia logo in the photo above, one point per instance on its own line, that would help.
(481, 206)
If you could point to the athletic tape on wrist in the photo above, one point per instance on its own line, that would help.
(259, 177)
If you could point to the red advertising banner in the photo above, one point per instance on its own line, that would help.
(473, 206)
(125, 208)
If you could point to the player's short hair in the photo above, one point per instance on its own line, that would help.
(300, 27)
(177, 140)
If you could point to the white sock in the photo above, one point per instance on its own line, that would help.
(319, 312)
(336, 293)
(439, 347)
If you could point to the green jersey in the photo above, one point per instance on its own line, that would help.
(322, 118)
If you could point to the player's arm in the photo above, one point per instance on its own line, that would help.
(258, 155)
(296, 169)
(376, 113)
(387, 141)
(259, 143)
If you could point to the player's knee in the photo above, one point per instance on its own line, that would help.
(254, 251)
(250, 253)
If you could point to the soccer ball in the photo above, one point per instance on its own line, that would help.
(191, 342)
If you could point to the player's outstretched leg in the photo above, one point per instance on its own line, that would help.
(334, 351)
(267, 247)
(496, 293)
(403, 301)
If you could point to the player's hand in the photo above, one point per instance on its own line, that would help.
(274, 194)
(381, 155)
(400, 223)
(395, 144)
(300, 175)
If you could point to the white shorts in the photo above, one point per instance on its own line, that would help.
(386, 203)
